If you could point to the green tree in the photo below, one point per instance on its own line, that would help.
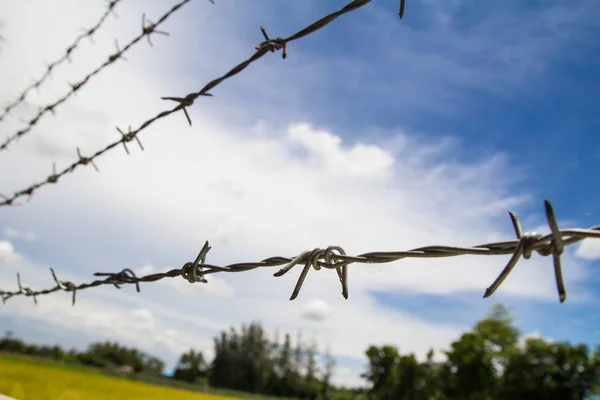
(470, 374)
(241, 360)
(550, 371)
(190, 367)
(255, 358)
(112, 354)
(382, 372)
(284, 368)
(499, 333)
(328, 370)
(311, 382)
(411, 379)
(434, 378)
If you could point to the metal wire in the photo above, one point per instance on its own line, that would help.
(88, 33)
(268, 45)
(148, 28)
(334, 257)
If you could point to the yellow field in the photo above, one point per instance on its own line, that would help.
(25, 380)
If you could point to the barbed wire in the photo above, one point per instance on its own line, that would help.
(147, 30)
(334, 257)
(88, 33)
(268, 45)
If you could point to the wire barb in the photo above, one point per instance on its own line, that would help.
(53, 178)
(128, 137)
(334, 257)
(25, 290)
(530, 242)
(269, 45)
(186, 101)
(64, 285)
(65, 57)
(119, 278)
(402, 5)
(191, 271)
(272, 45)
(148, 30)
(86, 160)
(75, 87)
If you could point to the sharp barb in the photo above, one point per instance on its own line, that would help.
(511, 264)
(300, 282)
(560, 284)
(516, 224)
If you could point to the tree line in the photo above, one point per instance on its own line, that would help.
(491, 361)
(246, 360)
(107, 355)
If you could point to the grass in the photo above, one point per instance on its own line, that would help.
(29, 379)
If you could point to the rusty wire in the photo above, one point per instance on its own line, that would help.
(268, 45)
(334, 257)
(88, 33)
(148, 28)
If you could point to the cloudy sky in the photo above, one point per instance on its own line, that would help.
(374, 134)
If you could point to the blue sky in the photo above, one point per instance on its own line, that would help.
(373, 134)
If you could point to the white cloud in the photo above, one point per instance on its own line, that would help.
(589, 249)
(144, 270)
(367, 161)
(143, 314)
(15, 234)
(316, 310)
(255, 189)
(7, 250)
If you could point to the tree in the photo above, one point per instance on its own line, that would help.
(255, 355)
(310, 378)
(411, 378)
(241, 360)
(382, 371)
(499, 333)
(111, 354)
(327, 374)
(284, 367)
(550, 371)
(470, 373)
(476, 360)
(434, 378)
(221, 363)
(191, 366)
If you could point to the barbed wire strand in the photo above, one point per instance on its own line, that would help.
(268, 45)
(88, 33)
(148, 28)
(334, 257)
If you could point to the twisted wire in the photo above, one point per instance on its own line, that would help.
(88, 33)
(268, 45)
(334, 257)
(147, 30)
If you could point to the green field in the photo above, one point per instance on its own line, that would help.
(29, 379)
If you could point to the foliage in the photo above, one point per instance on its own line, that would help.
(101, 355)
(248, 361)
(191, 367)
(486, 363)
(491, 361)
